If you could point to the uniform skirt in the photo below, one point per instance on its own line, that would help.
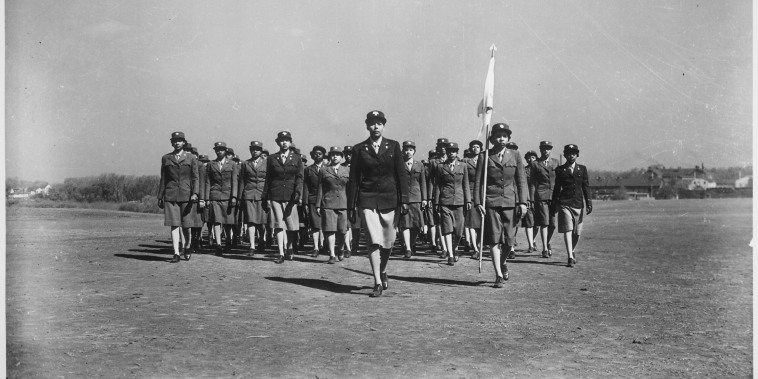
(221, 212)
(528, 220)
(570, 219)
(499, 226)
(334, 220)
(252, 212)
(451, 218)
(379, 225)
(413, 219)
(313, 217)
(473, 219)
(429, 216)
(542, 216)
(184, 214)
(284, 216)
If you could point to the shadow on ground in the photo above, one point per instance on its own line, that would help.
(320, 284)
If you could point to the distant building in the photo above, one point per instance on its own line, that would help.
(693, 184)
(744, 182)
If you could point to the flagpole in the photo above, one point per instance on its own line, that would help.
(486, 108)
(484, 187)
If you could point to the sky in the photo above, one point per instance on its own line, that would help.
(98, 87)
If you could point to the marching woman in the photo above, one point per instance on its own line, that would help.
(283, 188)
(331, 202)
(178, 191)
(221, 195)
(252, 180)
(504, 185)
(451, 194)
(375, 191)
(473, 221)
(353, 237)
(414, 176)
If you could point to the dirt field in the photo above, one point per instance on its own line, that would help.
(661, 289)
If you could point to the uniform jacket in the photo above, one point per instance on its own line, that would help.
(570, 188)
(221, 183)
(179, 178)
(416, 181)
(252, 179)
(375, 177)
(471, 170)
(430, 177)
(542, 175)
(310, 183)
(451, 184)
(284, 181)
(331, 192)
(506, 181)
(202, 174)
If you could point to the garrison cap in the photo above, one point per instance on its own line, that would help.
(475, 142)
(256, 144)
(335, 150)
(347, 149)
(547, 145)
(375, 115)
(500, 127)
(511, 145)
(532, 153)
(571, 147)
(452, 146)
(283, 135)
(178, 135)
(318, 148)
(219, 146)
(409, 144)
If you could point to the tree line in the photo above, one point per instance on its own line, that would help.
(106, 188)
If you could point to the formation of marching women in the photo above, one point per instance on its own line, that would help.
(380, 189)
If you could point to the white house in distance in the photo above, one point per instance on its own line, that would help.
(697, 184)
(744, 182)
(24, 193)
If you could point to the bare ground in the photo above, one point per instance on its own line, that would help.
(661, 289)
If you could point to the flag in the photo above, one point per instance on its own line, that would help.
(485, 106)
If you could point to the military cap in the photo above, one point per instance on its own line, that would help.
(532, 153)
(375, 115)
(500, 127)
(347, 149)
(452, 146)
(475, 142)
(256, 144)
(230, 151)
(432, 153)
(193, 150)
(335, 150)
(219, 146)
(547, 145)
(283, 135)
(204, 158)
(265, 152)
(318, 148)
(187, 146)
(442, 141)
(295, 150)
(409, 144)
(571, 147)
(178, 135)
(511, 145)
